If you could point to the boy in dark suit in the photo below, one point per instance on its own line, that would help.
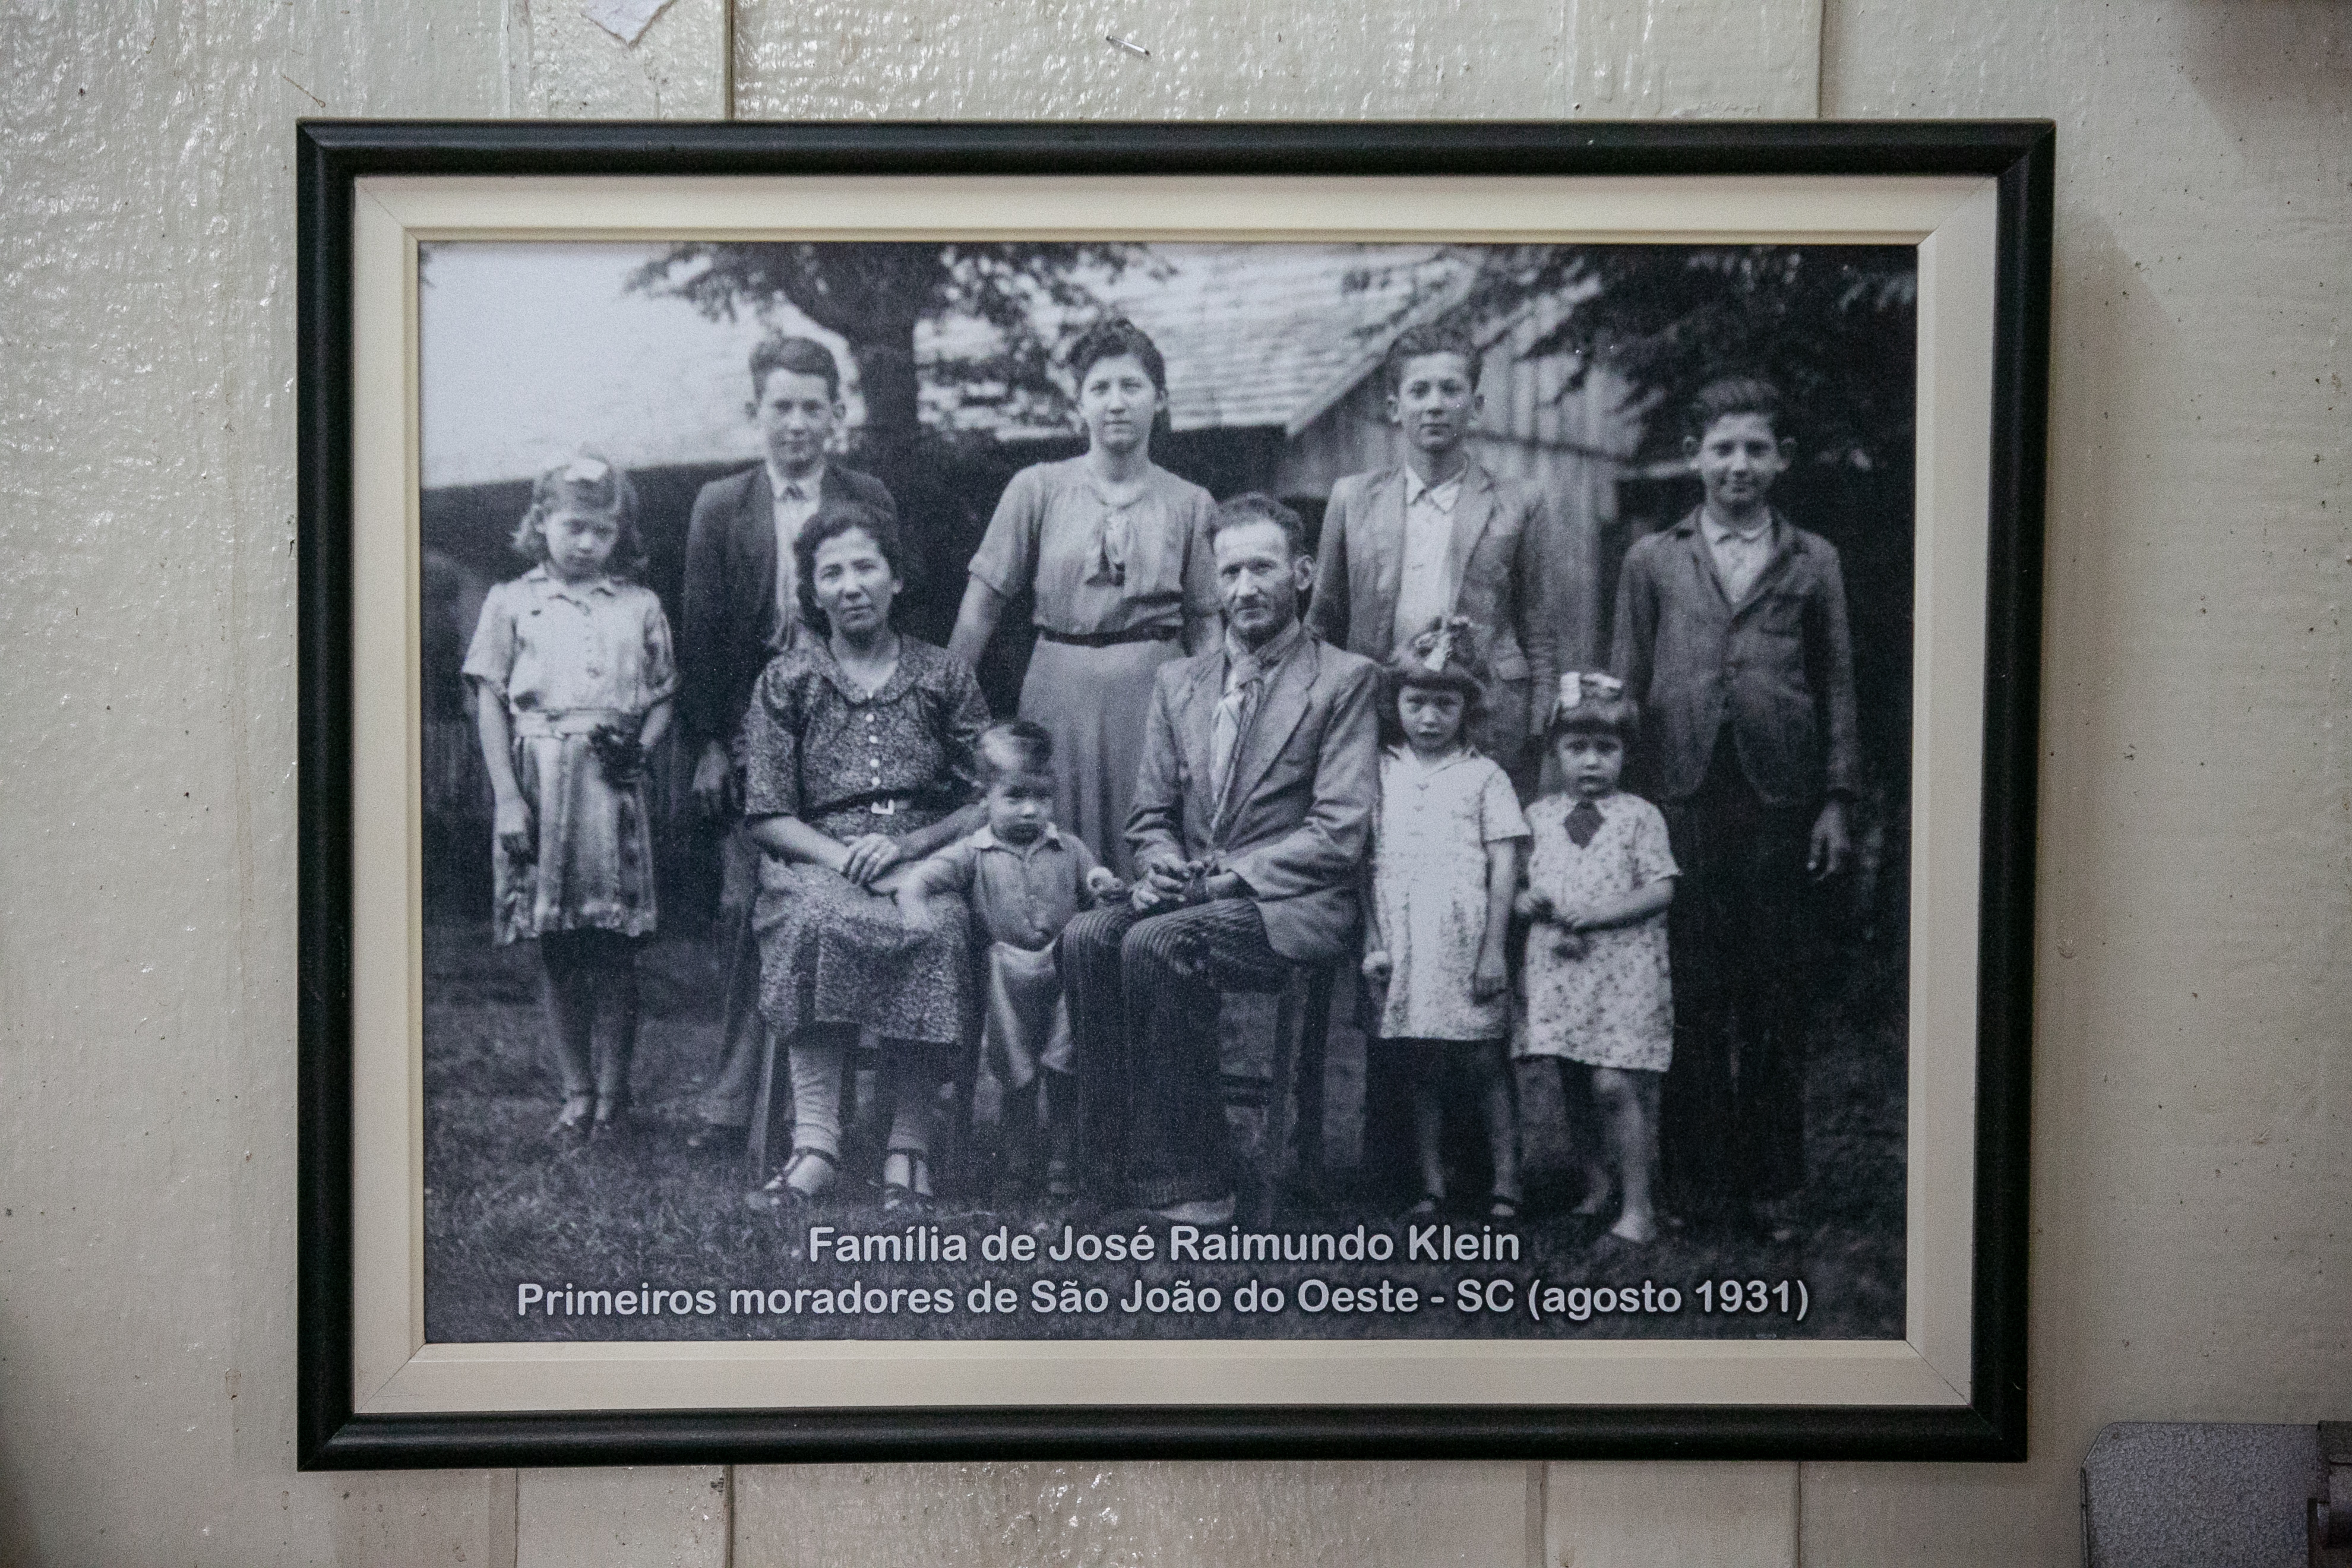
(1731, 629)
(1436, 536)
(741, 610)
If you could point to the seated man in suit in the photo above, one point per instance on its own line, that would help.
(742, 608)
(1253, 816)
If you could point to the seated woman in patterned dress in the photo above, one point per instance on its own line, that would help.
(859, 761)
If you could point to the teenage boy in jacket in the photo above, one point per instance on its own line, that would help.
(1731, 631)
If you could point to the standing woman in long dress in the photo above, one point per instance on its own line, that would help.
(1116, 549)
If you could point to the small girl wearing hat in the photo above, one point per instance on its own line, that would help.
(1598, 884)
(1445, 858)
(573, 676)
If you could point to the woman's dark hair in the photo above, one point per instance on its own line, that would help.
(1601, 708)
(1444, 658)
(802, 356)
(1110, 338)
(586, 483)
(832, 524)
(1013, 746)
(1729, 395)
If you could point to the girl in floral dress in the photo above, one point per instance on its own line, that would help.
(1445, 858)
(1597, 889)
(573, 677)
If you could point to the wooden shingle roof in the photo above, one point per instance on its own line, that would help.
(1272, 335)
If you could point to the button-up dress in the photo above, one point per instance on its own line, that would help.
(1429, 883)
(1606, 1002)
(569, 659)
(849, 762)
(1098, 569)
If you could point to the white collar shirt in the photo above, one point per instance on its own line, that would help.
(796, 501)
(1740, 553)
(1425, 590)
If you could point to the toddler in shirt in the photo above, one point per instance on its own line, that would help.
(1025, 878)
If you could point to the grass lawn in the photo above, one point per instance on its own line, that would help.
(503, 1208)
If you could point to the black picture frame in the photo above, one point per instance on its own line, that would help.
(2016, 156)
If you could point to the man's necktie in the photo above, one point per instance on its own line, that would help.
(788, 601)
(1225, 734)
(1583, 821)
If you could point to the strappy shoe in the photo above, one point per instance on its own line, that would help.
(1628, 1233)
(778, 1194)
(572, 1123)
(913, 1195)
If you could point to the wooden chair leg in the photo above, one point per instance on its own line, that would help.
(763, 1107)
(1275, 1140)
(740, 1010)
(1314, 1047)
(960, 1167)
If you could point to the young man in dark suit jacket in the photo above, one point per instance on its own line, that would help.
(1253, 816)
(1439, 535)
(742, 608)
(1731, 631)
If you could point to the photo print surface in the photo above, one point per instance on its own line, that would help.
(1164, 791)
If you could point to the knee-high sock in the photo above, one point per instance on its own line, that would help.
(912, 1087)
(816, 1056)
(617, 1031)
(567, 997)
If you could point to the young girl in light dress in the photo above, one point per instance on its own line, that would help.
(1598, 884)
(573, 677)
(1445, 860)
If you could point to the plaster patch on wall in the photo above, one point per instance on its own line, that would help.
(624, 19)
(580, 59)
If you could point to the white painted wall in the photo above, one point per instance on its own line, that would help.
(2194, 1109)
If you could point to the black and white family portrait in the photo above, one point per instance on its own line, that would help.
(1120, 790)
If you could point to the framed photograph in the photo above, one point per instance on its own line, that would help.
(1180, 790)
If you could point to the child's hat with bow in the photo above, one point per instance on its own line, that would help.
(1577, 687)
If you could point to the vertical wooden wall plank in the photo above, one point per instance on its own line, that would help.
(1167, 1515)
(425, 1519)
(560, 65)
(1639, 59)
(2191, 1119)
(147, 1061)
(667, 1517)
(1607, 1515)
